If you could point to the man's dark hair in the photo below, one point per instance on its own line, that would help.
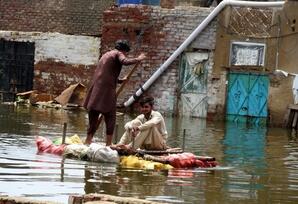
(146, 99)
(122, 45)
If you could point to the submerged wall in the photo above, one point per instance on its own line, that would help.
(240, 24)
(284, 56)
(276, 28)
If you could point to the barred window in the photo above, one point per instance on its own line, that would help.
(246, 53)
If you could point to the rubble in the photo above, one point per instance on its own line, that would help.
(70, 98)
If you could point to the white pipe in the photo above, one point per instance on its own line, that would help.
(193, 35)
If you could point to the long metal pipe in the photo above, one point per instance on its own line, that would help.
(193, 35)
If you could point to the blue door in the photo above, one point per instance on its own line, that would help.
(247, 97)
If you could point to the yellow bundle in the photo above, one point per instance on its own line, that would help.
(139, 163)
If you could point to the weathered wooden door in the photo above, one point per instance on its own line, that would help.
(16, 68)
(247, 97)
(193, 85)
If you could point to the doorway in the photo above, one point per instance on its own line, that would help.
(16, 68)
(247, 97)
(193, 84)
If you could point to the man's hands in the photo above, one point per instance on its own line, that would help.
(124, 79)
(141, 56)
(135, 131)
(118, 146)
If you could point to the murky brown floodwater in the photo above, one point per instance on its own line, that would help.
(258, 165)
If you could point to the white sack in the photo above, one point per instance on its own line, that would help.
(102, 153)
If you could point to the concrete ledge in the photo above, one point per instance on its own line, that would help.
(79, 199)
(22, 200)
(108, 199)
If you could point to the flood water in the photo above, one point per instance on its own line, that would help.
(257, 164)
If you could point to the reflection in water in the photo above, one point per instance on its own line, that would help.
(245, 151)
(244, 144)
(99, 177)
(257, 165)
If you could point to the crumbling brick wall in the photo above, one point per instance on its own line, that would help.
(157, 32)
(63, 16)
(53, 77)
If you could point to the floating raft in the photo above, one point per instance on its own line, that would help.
(127, 158)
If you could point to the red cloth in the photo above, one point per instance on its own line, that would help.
(188, 160)
(46, 146)
(183, 160)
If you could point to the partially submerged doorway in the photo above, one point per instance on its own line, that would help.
(193, 84)
(247, 97)
(16, 68)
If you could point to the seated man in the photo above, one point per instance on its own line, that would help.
(147, 131)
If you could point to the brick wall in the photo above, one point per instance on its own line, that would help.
(158, 32)
(53, 77)
(188, 2)
(63, 16)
